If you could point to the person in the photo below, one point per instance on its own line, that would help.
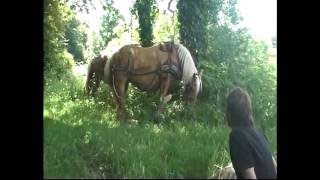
(249, 151)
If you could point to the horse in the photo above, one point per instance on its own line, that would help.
(151, 69)
(95, 74)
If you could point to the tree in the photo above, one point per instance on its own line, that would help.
(81, 5)
(194, 18)
(229, 56)
(163, 30)
(236, 59)
(77, 38)
(98, 43)
(85, 44)
(145, 11)
(56, 16)
(109, 21)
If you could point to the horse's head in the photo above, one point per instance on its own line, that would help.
(104, 58)
(95, 73)
(194, 87)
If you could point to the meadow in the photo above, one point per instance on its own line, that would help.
(83, 139)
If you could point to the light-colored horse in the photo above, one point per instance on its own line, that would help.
(150, 69)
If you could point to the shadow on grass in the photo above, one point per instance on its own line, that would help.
(95, 150)
(86, 141)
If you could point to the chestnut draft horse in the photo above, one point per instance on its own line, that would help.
(151, 69)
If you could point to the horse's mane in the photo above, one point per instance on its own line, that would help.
(186, 63)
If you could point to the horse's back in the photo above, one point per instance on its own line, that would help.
(143, 57)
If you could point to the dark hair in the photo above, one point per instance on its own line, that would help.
(239, 110)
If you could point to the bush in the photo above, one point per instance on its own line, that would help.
(58, 64)
(235, 59)
(57, 60)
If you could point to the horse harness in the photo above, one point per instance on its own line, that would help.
(168, 68)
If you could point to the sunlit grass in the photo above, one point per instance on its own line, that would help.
(83, 139)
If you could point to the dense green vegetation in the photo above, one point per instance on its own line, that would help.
(83, 139)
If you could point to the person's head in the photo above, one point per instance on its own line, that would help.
(239, 110)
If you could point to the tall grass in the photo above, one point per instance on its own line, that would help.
(83, 139)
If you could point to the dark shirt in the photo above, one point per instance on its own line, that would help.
(249, 148)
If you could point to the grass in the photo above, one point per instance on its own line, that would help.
(82, 138)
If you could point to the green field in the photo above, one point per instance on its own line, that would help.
(82, 138)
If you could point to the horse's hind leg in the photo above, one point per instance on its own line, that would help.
(120, 85)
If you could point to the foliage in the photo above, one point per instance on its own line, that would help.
(82, 138)
(77, 38)
(98, 43)
(145, 11)
(194, 18)
(109, 21)
(163, 28)
(229, 56)
(81, 5)
(56, 16)
(235, 59)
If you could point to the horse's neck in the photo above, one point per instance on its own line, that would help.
(186, 61)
